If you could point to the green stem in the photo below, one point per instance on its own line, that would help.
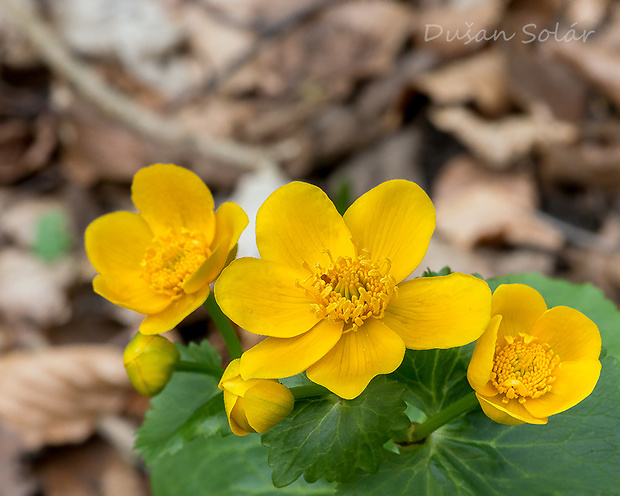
(224, 326)
(423, 430)
(308, 391)
(199, 368)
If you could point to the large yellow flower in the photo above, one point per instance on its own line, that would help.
(532, 362)
(325, 289)
(159, 262)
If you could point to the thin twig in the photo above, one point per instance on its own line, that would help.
(119, 106)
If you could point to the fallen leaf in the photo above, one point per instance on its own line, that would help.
(499, 143)
(95, 149)
(56, 395)
(91, 469)
(587, 13)
(599, 67)
(356, 40)
(475, 206)
(444, 29)
(538, 78)
(34, 291)
(480, 79)
(396, 157)
(589, 163)
(15, 477)
(25, 147)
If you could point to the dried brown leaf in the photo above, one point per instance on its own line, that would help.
(25, 147)
(480, 79)
(34, 291)
(591, 164)
(95, 149)
(92, 469)
(14, 477)
(499, 143)
(437, 28)
(355, 40)
(597, 65)
(56, 395)
(475, 205)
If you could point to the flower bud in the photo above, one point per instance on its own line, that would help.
(255, 405)
(150, 361)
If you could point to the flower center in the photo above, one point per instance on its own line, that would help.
(172, 258)
(350, 290)
(523, 369)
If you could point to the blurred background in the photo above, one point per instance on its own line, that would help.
(505, 112)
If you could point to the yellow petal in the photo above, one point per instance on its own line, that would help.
(236, 418)
(262, 297)
(117, 242)
(274, 358)
(520, 307)
(266, 404)
(440, 312)
(169, 196)
(297, 223)
(481, 363)
(174, 313)
(571, 334)
(574, 381)
(231, 220)
(358, 357)
(395, 220)
(231, 372)
(512, 413)
(129, 290)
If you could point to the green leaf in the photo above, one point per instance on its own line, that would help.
(53, 237)
(434, 378)
(342, 195)
(201, 353)
(191, 405)
(230, 466)
(332, 438)
(576, 453)
(443, 272)
(583, 297)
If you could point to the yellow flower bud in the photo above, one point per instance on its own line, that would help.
(150, 361)
(255, 405)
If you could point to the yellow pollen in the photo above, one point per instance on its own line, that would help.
(523, 368)
(172, 258)
(350, 290)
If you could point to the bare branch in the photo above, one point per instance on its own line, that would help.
(119, 106)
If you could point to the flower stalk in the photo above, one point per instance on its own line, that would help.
(233, 345)
(419, 432)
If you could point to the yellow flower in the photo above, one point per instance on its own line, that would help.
(255, 405)
(150, 362)
(159, 262)
(532, 362)
(325, 289)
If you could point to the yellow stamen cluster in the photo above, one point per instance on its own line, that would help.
(350, 290)
(172, 258)
(523, 369)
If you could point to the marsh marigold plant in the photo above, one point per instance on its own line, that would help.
(328, 290)
(255, 405)
(160, 261)
(533, 362)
